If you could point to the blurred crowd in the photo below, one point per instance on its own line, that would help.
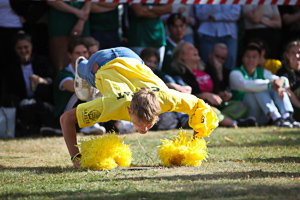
(243, 60)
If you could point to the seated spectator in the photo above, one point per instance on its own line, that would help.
(93, 45)
(262, 91)
(220, 78)
(219, 74)
(64, 91)
(291, 70)
(28, 87)
(151, 58)
(187, 11)
(264, 62)
(188, 65)
(176, 25)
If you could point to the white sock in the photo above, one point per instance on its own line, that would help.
(286, 115)
(275, 115)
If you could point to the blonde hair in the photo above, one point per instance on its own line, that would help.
(221, 45)
(145, 106)
(288, 47)
(178, 63)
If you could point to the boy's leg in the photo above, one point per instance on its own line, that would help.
(255, 110)
(85, 72)
(284, 105)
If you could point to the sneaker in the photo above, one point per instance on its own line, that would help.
(283, 123)
(247, 122)
(49, 131)
(294, 123)
(82, 88)
(96, 129)
(125, 127)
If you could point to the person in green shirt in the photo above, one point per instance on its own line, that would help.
(264, 92)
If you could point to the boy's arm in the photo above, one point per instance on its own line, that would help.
(202, 117)
(68, 124)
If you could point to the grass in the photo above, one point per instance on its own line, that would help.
(244, 163)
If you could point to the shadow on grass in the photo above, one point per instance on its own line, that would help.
(195, 190)
(215, 176)
(278, 139)
(284, 159)
(40, 170)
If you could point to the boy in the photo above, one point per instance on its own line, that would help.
(262, 91)
(131, 92)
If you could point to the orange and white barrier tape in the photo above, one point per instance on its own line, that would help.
(216, 2)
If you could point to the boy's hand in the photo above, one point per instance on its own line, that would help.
(195, 133)
(76, 163)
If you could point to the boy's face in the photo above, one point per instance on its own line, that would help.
(177, 30)
(92, 49)
(141, 127)
(151, 62)
(79, 50)
(251, 59)
(293, 56)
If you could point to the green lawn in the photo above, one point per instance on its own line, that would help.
(244, 163)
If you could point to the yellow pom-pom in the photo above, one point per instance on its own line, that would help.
(104, 153)
(205, 120)
(183, 150)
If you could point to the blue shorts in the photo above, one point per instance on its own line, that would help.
(102, 57)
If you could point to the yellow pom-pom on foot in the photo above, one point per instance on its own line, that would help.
(183, 150)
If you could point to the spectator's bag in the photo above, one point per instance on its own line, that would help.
(7, 122)
(235, 110)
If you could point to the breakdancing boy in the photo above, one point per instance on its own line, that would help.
(132, 92)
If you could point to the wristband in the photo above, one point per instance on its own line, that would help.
(78, 155)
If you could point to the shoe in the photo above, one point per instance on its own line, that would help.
(294, 123)
(49, 131)
(82, 88)
(96, 129)
(96, 93)
(247, 122)
(125, 127)
(282, 123)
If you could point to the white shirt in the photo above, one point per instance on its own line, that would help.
(8, 18)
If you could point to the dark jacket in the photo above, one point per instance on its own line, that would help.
(14, 83)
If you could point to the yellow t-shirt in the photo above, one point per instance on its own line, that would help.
(120, 78)
(273, 65)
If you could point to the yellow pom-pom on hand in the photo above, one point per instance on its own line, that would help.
(205, 120)
(104, 153)
(183, 150)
